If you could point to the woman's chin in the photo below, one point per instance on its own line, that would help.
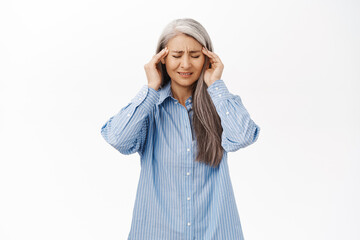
(185, 82)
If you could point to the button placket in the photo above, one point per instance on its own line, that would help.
(189, 162)
(188, 207)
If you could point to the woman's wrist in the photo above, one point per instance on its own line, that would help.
(153, 86)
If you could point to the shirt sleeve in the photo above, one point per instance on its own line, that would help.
(127, 130)
(239, 130)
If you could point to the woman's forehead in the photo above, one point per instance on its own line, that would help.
(181, 51)
(184, 43)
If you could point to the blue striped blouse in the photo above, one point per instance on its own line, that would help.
(178, 197)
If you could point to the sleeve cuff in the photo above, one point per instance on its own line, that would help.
(218, 91)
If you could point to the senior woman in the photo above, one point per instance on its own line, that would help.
(182, 123)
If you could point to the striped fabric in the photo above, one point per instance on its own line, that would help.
(178, 197)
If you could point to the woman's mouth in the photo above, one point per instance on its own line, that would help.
(185, 74)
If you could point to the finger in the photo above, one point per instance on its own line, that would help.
(214, 57)
(205, 51)
(211, 54)
(160, 54)
(156, 58)
(208, 53)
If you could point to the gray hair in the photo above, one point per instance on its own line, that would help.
(206, 121)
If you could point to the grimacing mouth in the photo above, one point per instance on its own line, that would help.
(190, 73)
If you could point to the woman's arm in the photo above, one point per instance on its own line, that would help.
(239, 130)
(127, 130)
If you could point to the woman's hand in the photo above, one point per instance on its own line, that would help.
(153, 74)
(214, 73)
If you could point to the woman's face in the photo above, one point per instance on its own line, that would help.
(184, 61)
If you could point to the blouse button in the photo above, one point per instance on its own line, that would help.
(188, 173)
(188, 149)
(188, 198)
(140, 98)
(216, 88)
(219, 95)
(189, 223)
(227, 113)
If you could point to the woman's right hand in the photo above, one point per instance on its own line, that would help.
(153, 74)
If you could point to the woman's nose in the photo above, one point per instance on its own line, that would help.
(185, 62)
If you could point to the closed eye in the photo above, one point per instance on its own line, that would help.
(180, 56)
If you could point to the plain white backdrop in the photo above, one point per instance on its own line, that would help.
(67, 66)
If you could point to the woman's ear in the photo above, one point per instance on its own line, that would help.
(163, 61)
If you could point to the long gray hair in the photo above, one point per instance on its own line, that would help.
(206, 121)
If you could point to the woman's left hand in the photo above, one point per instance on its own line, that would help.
(214, 73)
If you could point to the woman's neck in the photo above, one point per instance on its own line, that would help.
(181, 93)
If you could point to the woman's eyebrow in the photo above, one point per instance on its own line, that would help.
(194, 51)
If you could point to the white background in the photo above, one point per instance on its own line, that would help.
(67, 66)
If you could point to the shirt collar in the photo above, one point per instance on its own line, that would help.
(166, 92)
